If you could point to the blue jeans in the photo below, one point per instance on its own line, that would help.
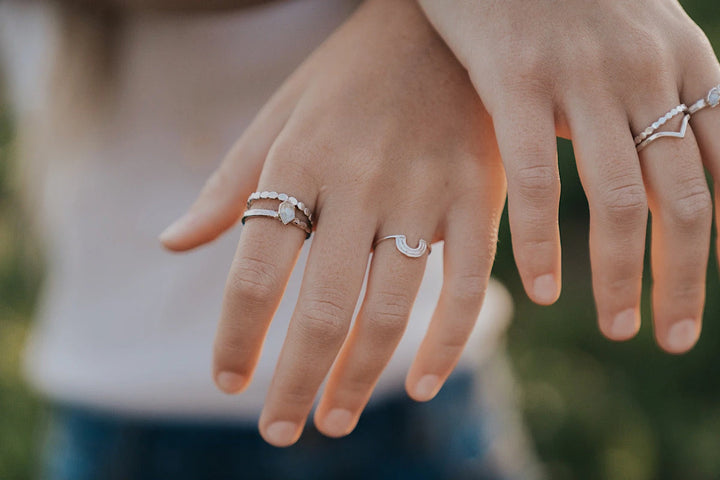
(396, 439)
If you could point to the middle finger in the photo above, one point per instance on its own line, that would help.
(681, 208)
(331, 285)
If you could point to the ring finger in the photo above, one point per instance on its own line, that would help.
(393, 284)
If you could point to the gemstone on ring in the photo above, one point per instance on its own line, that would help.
(713, 97)
(286, 212)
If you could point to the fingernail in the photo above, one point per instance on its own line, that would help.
(625, 325)
(682, 336)
(281, 434)
(338, 422)
(427, 387)
(230, 382)
(545, 288)
(175, 229)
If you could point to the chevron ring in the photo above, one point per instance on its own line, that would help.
(650, 134)
(405, 249)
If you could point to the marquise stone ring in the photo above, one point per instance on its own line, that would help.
(712, 100)
(287, 211)
(403, 247)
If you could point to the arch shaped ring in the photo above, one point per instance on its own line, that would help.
(403, 247)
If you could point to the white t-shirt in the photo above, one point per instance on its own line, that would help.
(122, 324)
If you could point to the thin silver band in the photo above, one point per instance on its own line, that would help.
(640, 138)
(405, 249)
(679, 134)
(711, 100)
(261, 212)
(283, 197)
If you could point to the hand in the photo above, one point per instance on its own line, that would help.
(598, 73)
(379, 132)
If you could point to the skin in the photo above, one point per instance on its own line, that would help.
(598, 73)
(416, 156)
(419, 156)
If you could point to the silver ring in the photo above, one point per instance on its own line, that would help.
(285, 219)
(712, 100)
(679, 134)
(642, 138)
(283, 197)
(405, 249)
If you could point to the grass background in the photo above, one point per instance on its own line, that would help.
(596, 409)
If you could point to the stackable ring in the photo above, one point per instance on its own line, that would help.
(405, 249)
(286, 212)
(283, 197)
(682, 108)
(262, 212)
(712, 100)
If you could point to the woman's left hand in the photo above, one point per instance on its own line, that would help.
(379, 132)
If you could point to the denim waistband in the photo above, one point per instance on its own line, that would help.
(397, 439)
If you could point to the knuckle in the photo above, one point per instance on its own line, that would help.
(295, 158)
(689, 291)
(388, 315)
(622, 284)
(455, 338)
(533, 64)
(645, 52)
(324, 318)
(231, 351)
(253, 279)
(693, 209)
(469, 289)
(298, 393)
(625, 204)
(585, 57)
(358, 384)
(536, 254)
(694, 45)
(537, 182)
(218, 182)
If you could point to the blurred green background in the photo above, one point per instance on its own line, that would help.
(596, 409)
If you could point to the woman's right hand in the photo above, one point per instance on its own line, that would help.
(599, 72)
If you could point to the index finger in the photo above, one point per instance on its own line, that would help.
(265, 257)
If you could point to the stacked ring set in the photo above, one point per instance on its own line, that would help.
(287, 211)
(650, 134)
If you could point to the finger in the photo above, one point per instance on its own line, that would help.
(610, 172)
(331, 285)
(681, 209)
(221, 202)
(470, 243)
(393, 283)
(264, 259)
(526, 136)
(703, 74)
